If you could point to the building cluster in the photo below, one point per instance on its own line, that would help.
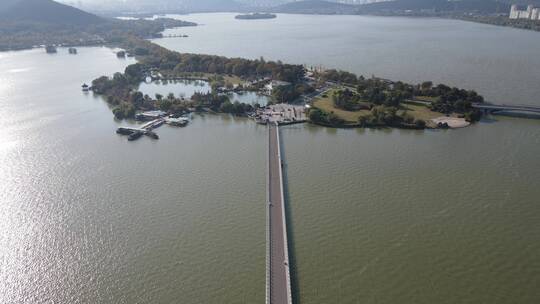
(531, 13)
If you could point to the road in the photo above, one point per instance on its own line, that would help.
(279, 279)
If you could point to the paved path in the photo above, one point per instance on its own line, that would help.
(278, 278)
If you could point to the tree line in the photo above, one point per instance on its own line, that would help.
(15, 35)
(174, 63)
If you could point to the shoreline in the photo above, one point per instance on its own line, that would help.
(153, 52)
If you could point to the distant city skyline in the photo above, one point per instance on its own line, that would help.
(532, 12)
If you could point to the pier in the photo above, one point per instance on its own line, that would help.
(278, 281)
(145, 129)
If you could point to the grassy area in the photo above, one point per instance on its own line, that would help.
(420, 112)
(425, 98)
(234, 79)
(415, 110)
(326, 104)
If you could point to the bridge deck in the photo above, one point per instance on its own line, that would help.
(278, 279)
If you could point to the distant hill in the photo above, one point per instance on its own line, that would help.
(481, 6)
(211, 5)
(45, 11)
(315, 7)
(399, 7)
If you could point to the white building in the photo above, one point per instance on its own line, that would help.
(530, 13)
(535, 15)
(275, 84)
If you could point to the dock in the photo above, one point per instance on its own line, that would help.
(151, 125)
(282, 114)
(278, 281)
(145, 129)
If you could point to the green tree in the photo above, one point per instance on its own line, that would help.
(421, 124)
(226, 107)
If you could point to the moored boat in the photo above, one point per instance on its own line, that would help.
(152, 135)
(135, 135)
(177, 122)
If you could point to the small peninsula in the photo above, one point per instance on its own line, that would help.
(255, 16)
(33, 23)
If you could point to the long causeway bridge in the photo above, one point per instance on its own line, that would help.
(278, 280)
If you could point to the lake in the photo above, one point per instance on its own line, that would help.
(377, 216)
(186, 89)
(501, 63)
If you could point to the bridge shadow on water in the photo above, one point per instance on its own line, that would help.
(516, 115)
(295, 286)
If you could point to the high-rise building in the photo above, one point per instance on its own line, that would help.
(530, 13)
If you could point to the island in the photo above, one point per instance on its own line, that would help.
(328, 97)
(223, 74)
(255, 16)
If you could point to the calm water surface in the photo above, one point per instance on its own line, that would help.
(186, 89)
(377, 216)
(499, 62)
(180, 88)
(88, 217)
(416, 217)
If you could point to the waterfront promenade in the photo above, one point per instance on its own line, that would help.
(278, 283)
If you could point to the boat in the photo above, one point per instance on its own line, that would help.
(124, 131)
(135, 135)
(152, 135)
(177, 122)
(149, 115)
(158, 123)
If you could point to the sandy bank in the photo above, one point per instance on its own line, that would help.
(453, 122)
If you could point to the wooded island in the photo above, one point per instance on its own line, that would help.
(337, 98)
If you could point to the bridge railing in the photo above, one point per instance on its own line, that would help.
(268, 237)
(284, 219)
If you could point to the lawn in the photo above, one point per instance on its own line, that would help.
(420, 112)
(425, 98)
(326, 104)
(415, 110)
